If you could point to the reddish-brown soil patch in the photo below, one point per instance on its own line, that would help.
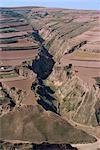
(17, 57)
(86, 70)
(25, 85)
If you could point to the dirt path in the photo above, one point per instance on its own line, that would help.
(91, 146)
(94, 131)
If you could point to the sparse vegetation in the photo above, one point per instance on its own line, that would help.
(45, 94)
(49, 44)
(97, 79)
(1, 98)
(8, 30)
(55, 32)
(98, 115)
(69, 106)
(19, 48)
(9, 75)
(8, 41)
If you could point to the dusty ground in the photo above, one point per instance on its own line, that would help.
(16, 57)
(94, 131)
(24, 85)
(95, 146)
(86, 65)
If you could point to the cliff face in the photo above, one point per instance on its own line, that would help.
(6, 102)
(55, 86)
(23, 70)
(43, 65)
(75, 96)
(67, 31)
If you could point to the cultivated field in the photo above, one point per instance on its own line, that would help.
(86, 65)
(39, 44)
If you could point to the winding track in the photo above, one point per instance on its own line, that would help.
(90, 130)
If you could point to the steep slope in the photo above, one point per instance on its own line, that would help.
(57, 88)
(71, 36)
(30, 123)
(75, 96)
(64, 29)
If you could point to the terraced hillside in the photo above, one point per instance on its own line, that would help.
(54, 58)
(16, 38)
(72, 36)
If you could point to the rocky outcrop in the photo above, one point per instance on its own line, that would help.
(86, 112)
(77, 47)
(17, 95)
(45, 96)
(68, 30)
(75, 96)
(6, 102)
(23, 70)
(43, 64)
(59, 91)
(63, 37)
